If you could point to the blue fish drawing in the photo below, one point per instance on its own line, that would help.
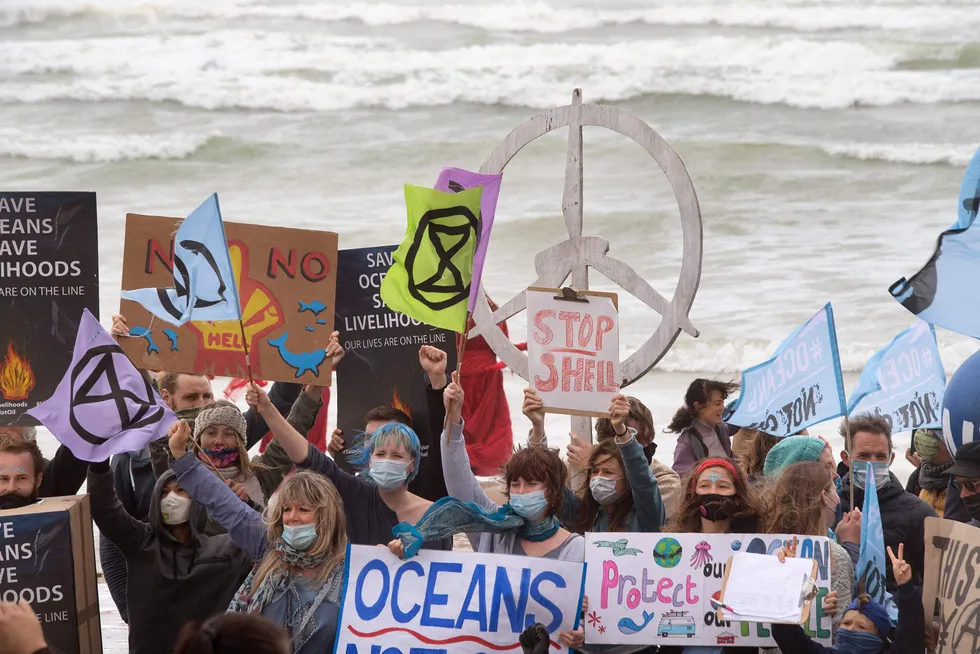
(143, 332)
(627, 626)
(301, 361)
(315, 307)
(321, 321)
(309, 329)
(172, 335)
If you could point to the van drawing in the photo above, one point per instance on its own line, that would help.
(676, 623)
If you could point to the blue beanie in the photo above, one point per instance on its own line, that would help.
(875, 612)
(790, 450)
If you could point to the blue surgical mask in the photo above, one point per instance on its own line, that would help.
(388, 474)
(859, 472)
(857, 642)
(529, 506)
(839, 485)
(604, 490)
(300, 537)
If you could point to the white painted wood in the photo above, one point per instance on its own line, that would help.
(574, 256)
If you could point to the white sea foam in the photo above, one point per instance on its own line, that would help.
(303, 72)
(954, 154)
(97, 148)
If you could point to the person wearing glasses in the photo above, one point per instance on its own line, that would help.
(965, 472)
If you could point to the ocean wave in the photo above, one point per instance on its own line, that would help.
(540, 17)
(98, 148)
(311, 72)
(953, 154)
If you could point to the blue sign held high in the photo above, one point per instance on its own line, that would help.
(801, 385)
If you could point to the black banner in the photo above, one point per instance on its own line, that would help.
(381, 366)
(36, 566)
(49, 272)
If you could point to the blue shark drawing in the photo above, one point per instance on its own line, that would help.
(619, 547)
(301, 361)
(143, 332)
(321, 321)
(309, 329)
(172, 335)
(315, 307)
(627, 626)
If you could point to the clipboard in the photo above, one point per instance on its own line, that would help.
(574, 296)
(808, 595)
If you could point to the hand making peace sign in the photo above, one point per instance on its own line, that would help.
(900, 569)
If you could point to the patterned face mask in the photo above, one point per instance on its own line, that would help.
(223, 457)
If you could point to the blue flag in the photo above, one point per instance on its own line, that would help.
(945, 292)
(204, 280)
(799, 386)
(904, 382)
(103, 405)
(871, 564)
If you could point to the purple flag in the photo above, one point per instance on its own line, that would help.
(454, 180)
(103, 405)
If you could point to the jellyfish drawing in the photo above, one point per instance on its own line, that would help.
(702, 555)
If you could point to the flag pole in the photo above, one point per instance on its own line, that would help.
(460, 350)
(850, 467)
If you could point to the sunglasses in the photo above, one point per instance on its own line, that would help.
(971, 485)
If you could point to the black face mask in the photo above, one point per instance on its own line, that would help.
(649, 451)
(716, 507)
(972, 505)
(16, 501)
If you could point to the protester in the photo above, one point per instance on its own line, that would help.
(805, 502)
(700, 430)
(176, 573)
(717, 500)
(865, 624)
(902, 514)
(429, 482)
(750, 447)
(373, 507)
(527, 526)
(535, 639)
(20, 630)
(22, 473)
(965, 475)
(300, 547)
(62, 475)
(934, 461)
(233, 633)
(797, 449)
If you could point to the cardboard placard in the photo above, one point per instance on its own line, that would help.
(49, 561)
(949, 588)
(573, 350)
(459, 602)
(656, 589)
(49, 273)
(381, 367)
(286, 281)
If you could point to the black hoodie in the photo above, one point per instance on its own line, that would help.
(902, 521)
(169, 584)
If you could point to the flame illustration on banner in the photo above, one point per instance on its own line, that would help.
(396, 403)
(220, 343)
(16, 375)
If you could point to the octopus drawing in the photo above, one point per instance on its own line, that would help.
(702, 555)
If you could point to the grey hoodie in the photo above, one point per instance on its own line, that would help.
(169, 584)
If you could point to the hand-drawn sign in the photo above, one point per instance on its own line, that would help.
(427, 291)
(147, 411)
(576, 255)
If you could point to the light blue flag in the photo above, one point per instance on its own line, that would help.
(945, 292)
(799, 386)
(204, 281)
(871, 569)
(904, 382)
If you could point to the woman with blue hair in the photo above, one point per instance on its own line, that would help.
(373, 503)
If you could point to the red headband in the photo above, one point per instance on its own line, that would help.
(713, 463)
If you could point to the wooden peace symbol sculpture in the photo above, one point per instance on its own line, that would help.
(576, 255)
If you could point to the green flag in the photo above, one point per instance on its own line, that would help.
(430, 277)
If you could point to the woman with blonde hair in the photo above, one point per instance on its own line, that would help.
(804, 502)
(300, 545)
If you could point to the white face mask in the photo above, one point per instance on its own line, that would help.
(176, 510)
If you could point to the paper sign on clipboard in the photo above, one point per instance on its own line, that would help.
(573, 349)
(759, 589)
